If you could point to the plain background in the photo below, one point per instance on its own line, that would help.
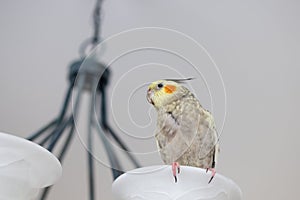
(254, 43)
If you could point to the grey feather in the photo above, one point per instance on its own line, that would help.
(180, 80)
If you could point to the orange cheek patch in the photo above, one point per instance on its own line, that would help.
(169, 89)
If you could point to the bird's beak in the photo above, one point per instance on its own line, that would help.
(150, 96)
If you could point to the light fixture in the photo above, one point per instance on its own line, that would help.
(157, 183)
(25, 168)
(85, 74)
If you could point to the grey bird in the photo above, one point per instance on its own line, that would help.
(186, 132)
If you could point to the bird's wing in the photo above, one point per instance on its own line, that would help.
(184, 123)
(197, 129)
(176, 130)
(208, 145)
(189, 122)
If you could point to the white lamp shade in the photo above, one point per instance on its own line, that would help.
(25, 168)
(157, 183)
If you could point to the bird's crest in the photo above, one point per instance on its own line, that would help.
(180, 80)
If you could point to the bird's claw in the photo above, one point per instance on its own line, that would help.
(175, 168)
(213, 173)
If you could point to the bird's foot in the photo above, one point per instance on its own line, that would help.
(175, 170)
(213, 173)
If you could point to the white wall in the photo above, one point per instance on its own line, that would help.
(254, 43)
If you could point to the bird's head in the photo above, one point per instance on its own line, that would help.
(163, 92)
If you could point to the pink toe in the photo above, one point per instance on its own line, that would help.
(174, 168)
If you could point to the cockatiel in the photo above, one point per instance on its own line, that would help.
(186, 132)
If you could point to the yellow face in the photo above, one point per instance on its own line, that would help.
(160, 92)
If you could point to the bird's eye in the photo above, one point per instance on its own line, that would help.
(160, 85)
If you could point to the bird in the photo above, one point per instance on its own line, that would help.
(185, 132)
